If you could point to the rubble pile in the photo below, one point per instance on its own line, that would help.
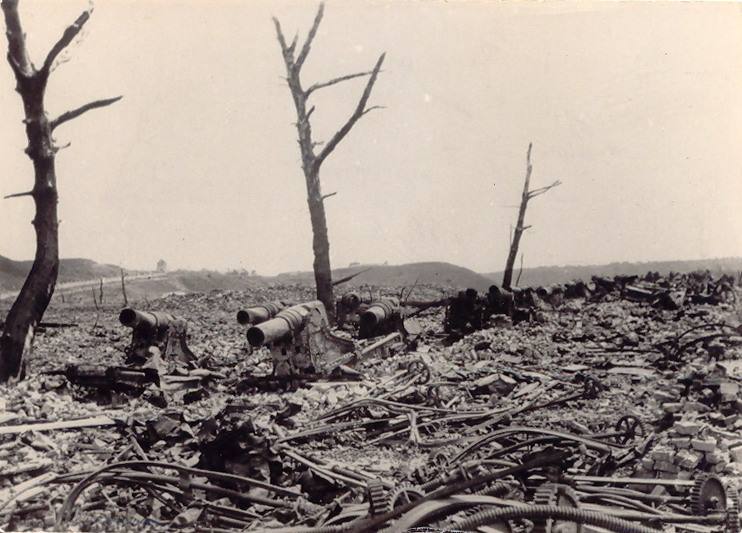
(612, 405)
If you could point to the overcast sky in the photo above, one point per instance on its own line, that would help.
(636, 108)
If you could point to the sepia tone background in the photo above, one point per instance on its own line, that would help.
(635, 107)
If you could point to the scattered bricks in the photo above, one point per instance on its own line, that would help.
(729, 391)
(679, 443)
(672, 407)
(666, 470)
(665, 467)
(685, 427)
(703, 445)
(736, 454)
(688, 460)
(663, 454)
(715, 457)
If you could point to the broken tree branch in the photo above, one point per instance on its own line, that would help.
(310, 37)
(348, 278)
(69, 34)
(18, 195)
(335, 81)
(357, 114)
(542, 190)
(326, 196)
(69, 115)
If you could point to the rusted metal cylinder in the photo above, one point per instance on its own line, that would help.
(378, 312)
(283, 324)
(259, 313)
(133, 319)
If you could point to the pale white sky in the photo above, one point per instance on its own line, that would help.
(636, 108)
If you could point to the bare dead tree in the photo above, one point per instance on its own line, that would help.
(528, 194)
(123, 288)
(100, 292)
(312, 161)
(29, 307)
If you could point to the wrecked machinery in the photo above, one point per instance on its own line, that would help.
(114, 378)
(260, 313)
(155, 333)
(370, 318)
(301, 342)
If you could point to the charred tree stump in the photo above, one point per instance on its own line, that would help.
(29, 307)
(311, 161)
(520, 227)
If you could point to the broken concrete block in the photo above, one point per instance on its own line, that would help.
(729, 391)
(688, 460)
(715, 457)
(736, 454)
(685, 427)
(679, 443)
(663, 454)
(703, 445)
(665, 466)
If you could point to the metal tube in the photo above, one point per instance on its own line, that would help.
(283, 324)
(378, 312)
(132, 318)
(260, 313)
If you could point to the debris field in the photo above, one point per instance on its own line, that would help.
(611, 405)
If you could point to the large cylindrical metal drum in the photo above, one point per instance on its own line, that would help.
(283, 324)
(133, 319)
(259, 313)
(378, 312)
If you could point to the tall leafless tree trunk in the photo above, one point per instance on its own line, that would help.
(34, 297)
(311, 161)
(519, 227)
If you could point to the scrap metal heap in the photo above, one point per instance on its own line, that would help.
(468, 311)
(612, 405)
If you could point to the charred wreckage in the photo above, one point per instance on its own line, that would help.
(510, 477)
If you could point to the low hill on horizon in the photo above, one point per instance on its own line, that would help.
(548, 275)
(13, 273)
(425, 273)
